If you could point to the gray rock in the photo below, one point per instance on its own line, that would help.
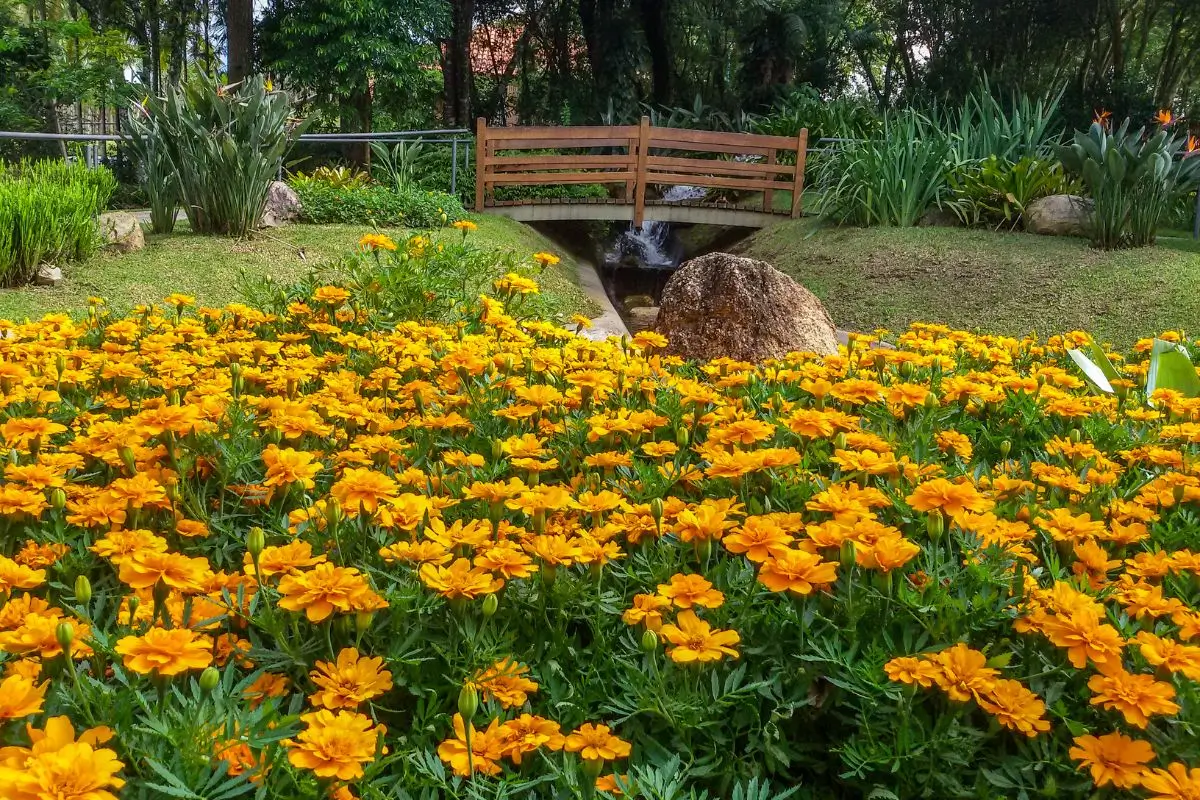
(121, 231)
(724, 305)
(283, 205)
(642, 318)
(1059, 215)
(939, 218)
(48, 275)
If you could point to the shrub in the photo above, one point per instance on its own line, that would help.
(226, 147)
(159, 180)
(373, 204)
(47, 214)
(998, 191)
(1134, 178)
(304, 553)
(887, 180)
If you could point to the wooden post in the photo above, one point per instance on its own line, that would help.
(769, 194)
(798, 184)
(630, 184)
(643, 155)
(481, 165)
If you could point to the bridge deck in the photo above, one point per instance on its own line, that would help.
(631, 158)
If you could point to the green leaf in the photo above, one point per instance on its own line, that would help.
(1094, 375)
(1171, 368)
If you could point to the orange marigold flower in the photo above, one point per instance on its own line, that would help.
(798, 572)
(1176, 782)
(324, 589)
(951, 498)
(686, 591)
(1113, 758)
(349, 682)
(1137, 697)
(460, 580)
(482, 755)
(965, 674)
(1016, 708)
(76, 771)
(647, 608)
(166, 652)
(18, 576)
(505, 681)
(335, 745)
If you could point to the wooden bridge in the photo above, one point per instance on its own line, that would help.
(629, 160)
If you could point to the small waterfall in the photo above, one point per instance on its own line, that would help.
(653, 246)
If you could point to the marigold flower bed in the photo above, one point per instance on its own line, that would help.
(299, 556)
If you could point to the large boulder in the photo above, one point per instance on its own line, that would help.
(283, 205)
(121, 231)
(724, 305)
(1059, 215)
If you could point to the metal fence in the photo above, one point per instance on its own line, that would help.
(457, 139)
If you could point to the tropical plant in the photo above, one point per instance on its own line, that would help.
(1170, 367)
(998, 191)
(372, 204)
(1133, 178)
(226, 145)
(158, 178)
(399, 165)
(891, 179)
(983, 127)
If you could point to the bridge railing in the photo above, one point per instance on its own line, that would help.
(636, 156)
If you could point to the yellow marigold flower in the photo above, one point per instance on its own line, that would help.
(350, 682)
(527, 733)
(512, 283)
(268, 684)
(693, 639)
(1084, 637)
(465, 225)
(376, 241)
(287, 466)
(505, 681)
(459, 580)
(282, 559)
(165, 652)
(951, 498)
(1016, 708)
(1176, 782)
(485, 750)
(18, 576)
(647, 609)
(76, 771)
(919, 671)
(21, 697)
(596, 743)
(335, 745)
(363, 489)
(1136, 697)
(545, 259)
(324, 589)
(1113, 758)
(964, 673)
(145, 568)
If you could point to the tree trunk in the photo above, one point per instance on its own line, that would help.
(457, 74)
(239, 35)
(654, 27)
(356, 118)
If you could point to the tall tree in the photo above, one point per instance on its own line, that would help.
(239, 39)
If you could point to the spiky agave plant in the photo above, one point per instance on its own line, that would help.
(226, 145)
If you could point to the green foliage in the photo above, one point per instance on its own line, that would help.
(1134, 179)
(372, 204)
(400, 164)
(156, 172)
(226, 146)
(997, 191)
(886, 180)
(835, 118)
(47, 214)
(337, 177)
(983, 127)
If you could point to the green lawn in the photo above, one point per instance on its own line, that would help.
(209, 267)
(1010, 283)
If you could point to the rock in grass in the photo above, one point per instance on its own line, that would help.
(283, 205)
(724, 305)
(121, 231)
(1059, 215)
(48, 275)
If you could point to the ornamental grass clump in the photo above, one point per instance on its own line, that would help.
(315, 553)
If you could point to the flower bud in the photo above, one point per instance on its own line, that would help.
(134, 602)
(65, 634)
(490, 604)
(58, 498)
(468, 702)
(931, 402)
(210, 679)
(333, 512)
(362, 621)
(935, 524)
(649, 641)
(256, 542)
(83, 590)
(681, 436)
(127, 458)
(1075, 435)
(846, 554)
(656, 510)
(497, 449)
(1005, 448)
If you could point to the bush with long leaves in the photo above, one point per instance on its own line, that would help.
(226, 145)
(156, 172)
(1133, 178)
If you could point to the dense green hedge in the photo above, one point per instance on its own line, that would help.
(373, 204)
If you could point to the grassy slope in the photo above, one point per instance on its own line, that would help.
(209, 267)
(993, 282)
